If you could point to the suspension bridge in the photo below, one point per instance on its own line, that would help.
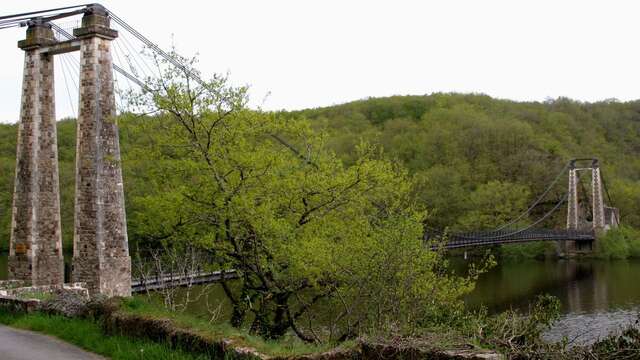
(102, 56)
(585, 219)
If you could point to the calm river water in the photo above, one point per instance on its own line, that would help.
(597, 296)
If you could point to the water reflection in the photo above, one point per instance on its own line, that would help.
(583, 286)
(597, 297)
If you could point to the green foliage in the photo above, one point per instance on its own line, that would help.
(519, 336)
(493, 204)
(533, 250)
(454, 144)
(451, 144)
(301, 227)
(623, 345)
(66, 157)
(7, 171)
(88, 335)
(620, 243)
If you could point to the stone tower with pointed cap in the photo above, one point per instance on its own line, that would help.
(100, 246)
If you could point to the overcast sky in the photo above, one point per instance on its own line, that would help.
(318, 53)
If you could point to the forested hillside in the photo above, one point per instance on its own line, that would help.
(475, 161)
(478, 161)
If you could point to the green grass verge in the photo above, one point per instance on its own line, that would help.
(89, 336)
(288, 346)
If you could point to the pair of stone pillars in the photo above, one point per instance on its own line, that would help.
(597, 200)
(574, 219)
(100, 246)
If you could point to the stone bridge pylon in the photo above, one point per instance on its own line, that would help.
(598, 216)
(100, 246)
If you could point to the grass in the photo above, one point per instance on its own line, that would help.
(89, 336)
(288, 346)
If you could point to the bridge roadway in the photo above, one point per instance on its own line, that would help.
(166, 281)
(474, 239)
(456, 241)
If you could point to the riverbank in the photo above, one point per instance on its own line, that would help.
(133, 329)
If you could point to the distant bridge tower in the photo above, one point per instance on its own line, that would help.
(603, 217)
(100, 246)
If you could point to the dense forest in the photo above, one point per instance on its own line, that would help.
(475, 161)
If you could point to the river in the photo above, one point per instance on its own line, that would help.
(597, 296)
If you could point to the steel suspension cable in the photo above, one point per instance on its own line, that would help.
(66, 83)
(155, 48)
(133, 54)
(130, 46)
(117, 53)
(502, 236)
(115, 67)
(195, 76)
(536, 202)
(42, 11)
(606, 189)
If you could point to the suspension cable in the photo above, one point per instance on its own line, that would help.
(501, 236)
(606, 190)
(194, 76)
(14, 20)
(117, 68)
(42, 11)
(537, 201)
(63, 66)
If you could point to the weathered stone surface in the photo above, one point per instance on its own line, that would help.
(96, 22)
(597, 198)
(75, 289)
(35, 252)
(69, 300)
(14, 304)
(38, 34)
(101, 253)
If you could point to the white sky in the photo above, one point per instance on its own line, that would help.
(318, 53)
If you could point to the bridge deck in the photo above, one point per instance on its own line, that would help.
(167, 281)
(475, 239)
(456, 241)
